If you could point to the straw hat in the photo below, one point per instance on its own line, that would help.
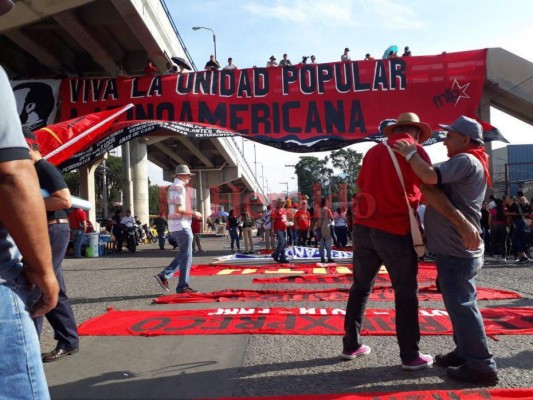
(411, 119)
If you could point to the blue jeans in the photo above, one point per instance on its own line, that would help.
(21, 368)
(372, 247)
(183, 260)
(325, 242)
(279, 252)
(234, 235)
(457, 277)
(161, 239)
(78, 239)
(341, 232)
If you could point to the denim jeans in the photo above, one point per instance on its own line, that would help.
(234, 235)
(372, 247)
(325, 242)
(183, 260)
(78, 239)
(457, 277)
(60, 318)
(21, 368)
(279, 252)
(161, 239)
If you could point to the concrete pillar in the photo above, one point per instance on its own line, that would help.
(204, 197)
(127, 184)
(87, 190)
(484, 114)
(139, 177)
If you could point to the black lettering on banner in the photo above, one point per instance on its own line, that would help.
(325, 74)
(235, 119)
(202, 82)
(261, 82)
(98, 87)
(184, 83)
(219, 323)
(397, 74)
(288, 75)
(261, 116)
(227, 83)
(318, 322)
(186, 112)
(215, 75)
(343, 82)
(165, 111)
(432, 324)
(250, 323)
(195, 321)
(313, 122)
(286, 107)
(150, 324)
(358, 86)
(380, 77)
(334, 116)
(111, 90)
(144, 113)
(244, 85)
(217, 117)
(356, 117)
(308, 79)
(276, 122)
(503, 321)
(289, 323)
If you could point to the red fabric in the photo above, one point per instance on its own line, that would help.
(378, 182)
(290, 321)
(196, 225)
(483, 158)
(303, 220)
(279, 219)
(58, 142)
(207, 270)
(463, 394)
(306, 102)
(385, 293)
(76, 217)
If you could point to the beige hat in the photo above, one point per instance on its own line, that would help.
(182, 170)
(410, 118)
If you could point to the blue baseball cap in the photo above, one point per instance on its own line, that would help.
(467, 127)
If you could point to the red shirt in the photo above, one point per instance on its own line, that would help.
(303, 220)
(196, 225)
(381, 199)
(279, 216)
(76, 218)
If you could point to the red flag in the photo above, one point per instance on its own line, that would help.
(58, 142)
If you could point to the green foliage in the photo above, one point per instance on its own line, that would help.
(153, 199)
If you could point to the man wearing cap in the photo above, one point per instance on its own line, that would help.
(212, 64)
(272, 62)
(22, 221)
(454, 191)
(60, 318)
(180, 214)
(345, 56)
(381, 235)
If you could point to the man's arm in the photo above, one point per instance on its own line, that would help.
(440, 202)
(23, 214)
(59, 200)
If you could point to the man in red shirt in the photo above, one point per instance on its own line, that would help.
(303, 222)
(381, 235)
(196, 227)
(78, 225)
(279, 224)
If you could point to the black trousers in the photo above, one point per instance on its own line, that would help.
(371, 248)
(60, 318)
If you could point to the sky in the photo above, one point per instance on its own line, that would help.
(250, 31)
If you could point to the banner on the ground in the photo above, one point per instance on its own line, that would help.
(383, 293)
(290, 321)
(301, 108)
(463, 394)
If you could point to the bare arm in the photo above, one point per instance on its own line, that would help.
(23, 215)
(59, 200)
(421, 168)
(440, 202)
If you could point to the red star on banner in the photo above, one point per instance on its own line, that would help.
(461, 90)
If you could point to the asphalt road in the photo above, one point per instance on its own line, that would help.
(211, 366)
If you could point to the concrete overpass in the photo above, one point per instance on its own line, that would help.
(100, 38)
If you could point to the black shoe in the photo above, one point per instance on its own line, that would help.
(330, 260)
(467, 374)
(187, 290)
(283, 261)
(449, 360)
(58, 353)
(275, 258)
(322, 260)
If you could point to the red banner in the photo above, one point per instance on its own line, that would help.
(289, 321)
(464, 394)
(386, 293)
(301, 108)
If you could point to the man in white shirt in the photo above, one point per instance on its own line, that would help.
(180, 214)
(272, 62)
(128, 218)
(313, 60)
(230, 64)
(345, 56)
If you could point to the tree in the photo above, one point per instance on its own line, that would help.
(307, 170)
(348, 161)
(153, 199)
